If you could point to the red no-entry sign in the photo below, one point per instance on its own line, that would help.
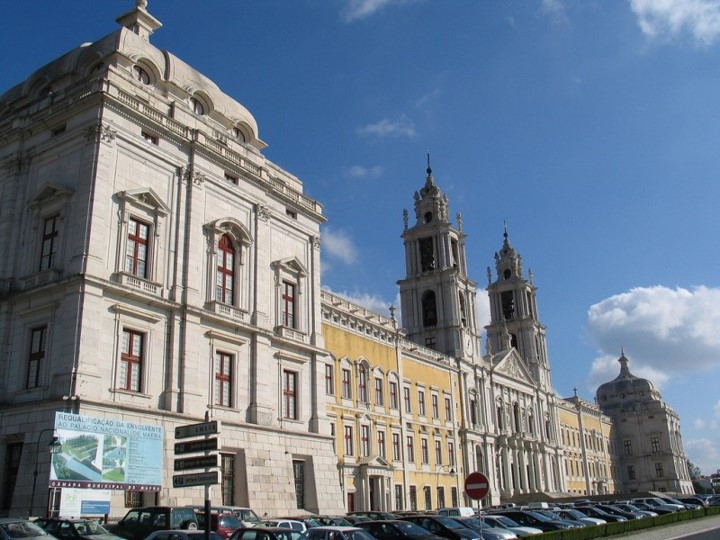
(476, 486)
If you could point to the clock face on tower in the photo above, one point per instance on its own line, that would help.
(469, 344)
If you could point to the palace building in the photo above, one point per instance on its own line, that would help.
(160, 272)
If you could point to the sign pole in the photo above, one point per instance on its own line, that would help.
(208, 520)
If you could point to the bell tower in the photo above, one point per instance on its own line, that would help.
(513, 314)
(437, 298)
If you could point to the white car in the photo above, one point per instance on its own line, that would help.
(294, 524)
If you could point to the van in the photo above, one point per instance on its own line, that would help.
(247, 517)
(457, 511)
(140, 522)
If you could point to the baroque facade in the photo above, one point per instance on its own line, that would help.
(160, 271)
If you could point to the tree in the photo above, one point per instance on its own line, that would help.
(695, 472)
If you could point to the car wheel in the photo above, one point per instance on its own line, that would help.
(190, 525)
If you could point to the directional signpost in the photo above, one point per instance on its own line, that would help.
(207, 446)
(477, 487)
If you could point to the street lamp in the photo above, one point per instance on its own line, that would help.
(54, 446)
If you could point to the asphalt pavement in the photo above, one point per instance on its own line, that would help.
(676, 530)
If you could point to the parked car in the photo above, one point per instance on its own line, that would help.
(443, 526)
(140, 522)
(530, 518)
(373, 515)
(391, 529)
(659, 510)
(693, 500)
(76, 529)
(333, 520)
(577, 515)
(553, 515)
(12, 528)
(224, 524)
(594, 511)
(657, 501)
(176, 534)
(265, 533)
(688, 506)
(335, 532)
(292, 524)
(456, 511)
(485, 531)
(617, 511)
(632, 508)
(507, 523)
(247, 516)
(354, 520)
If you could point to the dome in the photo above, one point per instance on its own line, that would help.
(625, 389)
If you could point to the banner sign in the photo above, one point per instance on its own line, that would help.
(105, 453)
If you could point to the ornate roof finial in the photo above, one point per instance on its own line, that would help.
(505, 228)
(575, 391)
(429, 170)
(142, 4)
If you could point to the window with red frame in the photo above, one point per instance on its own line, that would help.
(136, 250)
(131, 360)
(362, 383)
(49, 242)
(290, 394)
(346, 387)
(223, 379)
(224, 279)
(288, 304)
(349, 447)
(379, 399)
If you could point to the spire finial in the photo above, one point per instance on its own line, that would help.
(505, 229)
(429, 170)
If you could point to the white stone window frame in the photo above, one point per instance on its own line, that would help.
(291, 271)
(200, 104)
(145, 206)
(220, 342)
(242, 240)
(150, 70)
(360, 364)
(295, 364)
(30, 320)
(346, 366)
(142, 322)
(49, 201)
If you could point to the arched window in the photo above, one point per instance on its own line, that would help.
(225, 273)
(429, 309)
(463, 316)
(516, 417)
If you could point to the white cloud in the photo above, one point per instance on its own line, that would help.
(666, 19)
(555, 9)
(423, 101)
(704, 453)
(402, 127)
(361, 9)
(338, 244)
(374, 303)
(359, 171)
(671, 331)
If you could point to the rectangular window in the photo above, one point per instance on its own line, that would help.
(421, 402)
(631, 472)
(441, 497)
(299, 474)
(398, 497)
(227, 479)
(659, 470)
(438, 452)
(223, 379)
(428, 497)
(136, 250)
(349, 447)
(379, 391)
(365, 441)
(382, 452)
(396, 446)
(655, 442)
(133, 499)
(627, 445)
(393, 395)
(346, 386)
(36, 356)
(131, 360)
(406, 398)
(410, 449)
(49, 242)
(413, 498)
(362, 384)
(473, 412)
(454, 496)
(448, 410)
(288, 305)
(424, 451)
(329, 379)
(435, 407)
(451, 454)
(290, 397)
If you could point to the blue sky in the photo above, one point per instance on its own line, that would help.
(591, 127)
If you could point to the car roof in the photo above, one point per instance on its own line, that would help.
(336, 528)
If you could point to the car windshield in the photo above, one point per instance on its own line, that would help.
(22, 529)
(507, 521)
(539, 517)
(358, 535)
(248, 516)
(229, 521)
(89, 528)
(450, 523)
(411, 528)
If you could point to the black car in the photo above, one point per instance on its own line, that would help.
(265, 533)
(76, 529)
(594, 511)
(529, 518)
(617, 511)
(389, 529)
(140, 522)
(15, 528)
(444, 526)
(374, 515)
